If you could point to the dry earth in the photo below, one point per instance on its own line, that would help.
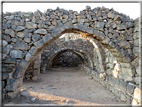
(64, 86)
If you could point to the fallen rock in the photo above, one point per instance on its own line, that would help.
(24, 93)
(70, 101)
(33, 99)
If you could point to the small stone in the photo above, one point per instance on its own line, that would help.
(20, 28)
(47, 37)
(88, 7)
(10, 32)
(41, 31)
(20, 34)
(28, 40)
(70, 101)
(51, 85)
(24, 93)
(28, 56)
(121, 27)
(39, 43)
(4, 43)
(100, 25)
(5, 76)
(21, 46)
(30, 25)
(33, 99)
(35, 37)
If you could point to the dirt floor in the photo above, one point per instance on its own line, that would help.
(64, 86)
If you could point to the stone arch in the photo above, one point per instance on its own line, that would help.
(78, 44)
(79, 52)
(48, 39)
(106, 26)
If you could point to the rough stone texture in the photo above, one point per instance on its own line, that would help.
(16, 54)
(109, 32)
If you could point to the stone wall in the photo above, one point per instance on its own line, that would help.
(33, 70)
(66, 59)
(25, 36)
(69, 41)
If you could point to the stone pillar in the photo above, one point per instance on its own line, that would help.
(36, 67)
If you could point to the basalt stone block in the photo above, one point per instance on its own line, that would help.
(30, 25)
(6, 50)
(122, 52)
(28, 55)
(137, 80)
(106, 40)
(4, 43)
(68, 24)
(116, 18)
(75, 25)
(23, 34)
(90, 30)
(127, 71)
(56, 32)
(130, 88)
(13, 84)
(18, 73)
(111, 15)
(88, 7)
(21, 46)
(74, 21)
(82, 27)
(10, 61)
(10, 84)
(100, 25)
(7, 69)
(136, 50)
(5, 76)
(28, 40)
(129, 99)
(123, 86)
(33, 50)
(136, 42)
(124, 44)
(39, 43)
(116, 34)
(10, 32)
(123, 96)
(129, 24)
(19, 28)
(10, 17)
(41, 31)
(14, 40)
(47, 37)
(89, 17)
(36, 37)
(16, 54)
(22, 64)
(121, 27)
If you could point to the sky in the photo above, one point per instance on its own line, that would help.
(130, 9)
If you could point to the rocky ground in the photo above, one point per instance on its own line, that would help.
(64, 86)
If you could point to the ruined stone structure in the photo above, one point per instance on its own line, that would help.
(108, 47)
